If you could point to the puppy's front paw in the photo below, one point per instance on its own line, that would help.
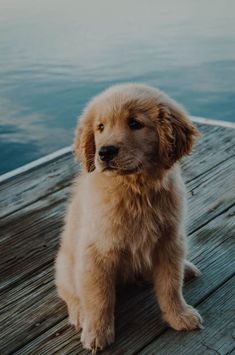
(188, 319)
(97, 337)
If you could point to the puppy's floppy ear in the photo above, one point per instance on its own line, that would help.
(176, 133)
(84, 143)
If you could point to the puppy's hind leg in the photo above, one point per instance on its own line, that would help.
(65, 286)
(190, 271)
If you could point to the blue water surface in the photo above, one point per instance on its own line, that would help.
(56, 54)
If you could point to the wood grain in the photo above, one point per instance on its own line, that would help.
(32, 204)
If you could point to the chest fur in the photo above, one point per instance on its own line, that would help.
(130, 222)
(138, 221)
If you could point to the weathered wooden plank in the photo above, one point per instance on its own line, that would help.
(31, 185)
(33, 239)
(216, 338)
(211, 193)
(39, 182)
(207, 154)
(138, 320)
(213, 122)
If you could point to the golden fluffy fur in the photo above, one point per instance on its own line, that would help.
(126, 216)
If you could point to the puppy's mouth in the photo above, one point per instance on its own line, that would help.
(122, 170)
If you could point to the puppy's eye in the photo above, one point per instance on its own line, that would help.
(134, 124)
(100, 127)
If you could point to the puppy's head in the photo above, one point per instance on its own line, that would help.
(132, 128)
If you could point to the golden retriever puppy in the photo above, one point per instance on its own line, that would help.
(126, 216)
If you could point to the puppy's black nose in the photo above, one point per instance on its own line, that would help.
(108, 152)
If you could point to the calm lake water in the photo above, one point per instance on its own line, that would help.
(55, 55)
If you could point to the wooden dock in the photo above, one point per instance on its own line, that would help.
(32, 203)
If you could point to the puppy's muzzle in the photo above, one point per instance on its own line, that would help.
(108, 152)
